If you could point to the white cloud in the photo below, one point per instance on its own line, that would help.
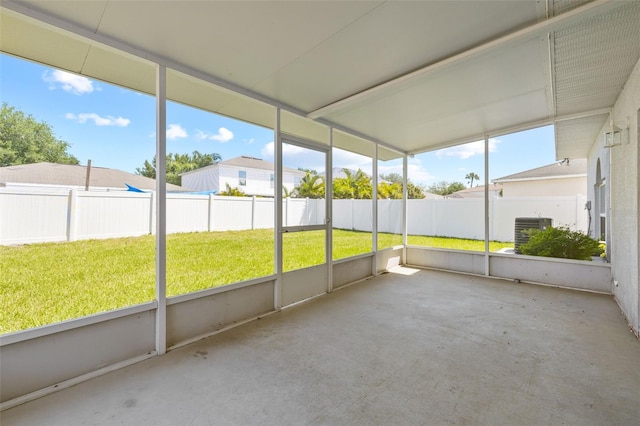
(389, 169)
(467, 150)
(98, 120)
(294, 156)
(352, 161)
(224, 135)
(417, 173)
(68, 82)
(268, 150)
(176, 131)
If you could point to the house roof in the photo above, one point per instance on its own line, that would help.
(244, 161)
(75, 175)
(564, 169)
(474, 192)
(415, 76)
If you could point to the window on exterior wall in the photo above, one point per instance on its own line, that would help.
(75, 241)
(210, 229)
(446, 198)
(271, 180)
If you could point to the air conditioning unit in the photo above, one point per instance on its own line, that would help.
(523, 223)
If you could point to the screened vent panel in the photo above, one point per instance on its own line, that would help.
(594, 58)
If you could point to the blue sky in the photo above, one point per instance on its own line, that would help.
(115, 127)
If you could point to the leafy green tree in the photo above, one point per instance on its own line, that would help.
(310, 186)
(390, 190)
(413, 191)
(177, 164)
(354, 185)
(471, 177)
(446, 188)
(232, 192)
(24, 140)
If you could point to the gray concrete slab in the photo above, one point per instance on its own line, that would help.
(407, 347)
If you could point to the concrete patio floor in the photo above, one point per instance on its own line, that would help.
(407, 347)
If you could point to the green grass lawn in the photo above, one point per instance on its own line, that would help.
(456, 243)
(51, 282)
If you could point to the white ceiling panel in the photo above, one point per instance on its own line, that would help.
(466, 99)
(238, 41)
(351, 143)
(29, 39)
(391, 40)
(119, 68)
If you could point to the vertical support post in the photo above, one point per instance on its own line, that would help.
(353, 215)
(253, 212)
(210, 221)
(328, 196)
(285, 213)
(374, 219)
(405, 206)
(72, 215)
(486, 206)
(161, 210)
(152, 213)
(277, 296)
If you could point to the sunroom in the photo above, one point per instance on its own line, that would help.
(387, 82)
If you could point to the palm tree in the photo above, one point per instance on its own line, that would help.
(310, 186)
(354, 185)
(471, 177)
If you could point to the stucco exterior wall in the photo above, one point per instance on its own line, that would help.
(545, 187)
(623, 179)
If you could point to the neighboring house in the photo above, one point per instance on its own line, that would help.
(253, 176)
(568, 177)
(476, 192)
(50, 177)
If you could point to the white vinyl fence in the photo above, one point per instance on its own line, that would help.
(27, 217)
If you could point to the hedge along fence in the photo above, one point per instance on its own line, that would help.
(27, 217)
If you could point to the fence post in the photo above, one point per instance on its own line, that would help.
(72, 211)
(210, 221)
(152, 213)
(353, 216)
(286, 212)
(492, 228)
(253, 212)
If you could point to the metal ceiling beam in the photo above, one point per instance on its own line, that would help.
(587, 10)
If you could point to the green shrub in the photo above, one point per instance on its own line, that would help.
(560, 242)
